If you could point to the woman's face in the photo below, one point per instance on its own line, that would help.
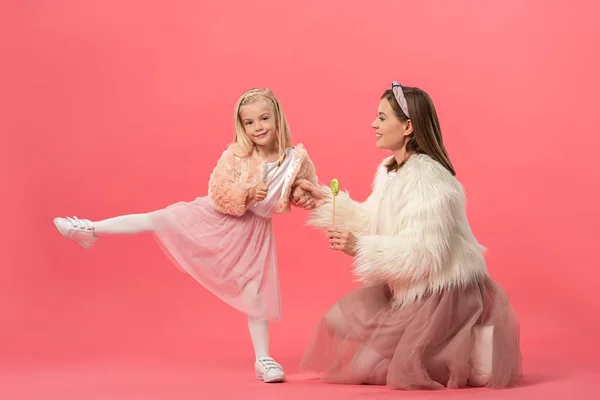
(391, 133)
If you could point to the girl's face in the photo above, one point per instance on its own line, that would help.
(259, 124)
(391, 133)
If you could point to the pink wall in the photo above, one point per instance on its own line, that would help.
(124, 106)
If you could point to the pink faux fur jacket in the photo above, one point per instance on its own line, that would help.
(233, 177)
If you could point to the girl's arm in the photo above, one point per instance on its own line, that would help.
(226, 193)
(306, 175)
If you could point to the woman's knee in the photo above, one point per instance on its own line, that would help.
(338, 322)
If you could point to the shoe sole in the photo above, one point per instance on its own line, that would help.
(272, 380)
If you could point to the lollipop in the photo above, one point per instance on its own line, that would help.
(335, 189)
(279, 162)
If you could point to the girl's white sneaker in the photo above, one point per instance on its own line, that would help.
(268, 371)
(79, 230)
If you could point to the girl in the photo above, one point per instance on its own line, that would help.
(428, 315)
(225, 240)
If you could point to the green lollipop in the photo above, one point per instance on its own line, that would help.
(335, 186)
(335, 190)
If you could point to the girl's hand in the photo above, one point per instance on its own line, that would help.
(342, 240)
(259, 192)
(301, 198)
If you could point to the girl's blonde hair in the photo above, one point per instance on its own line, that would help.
(283, 130)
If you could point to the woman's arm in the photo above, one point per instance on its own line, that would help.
(226, 193)
(421, 247)
(350, 215)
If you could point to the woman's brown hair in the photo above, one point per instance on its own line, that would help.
(426, 137)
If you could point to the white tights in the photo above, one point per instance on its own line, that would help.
(259, 333)
(139, 223)
(124, 225)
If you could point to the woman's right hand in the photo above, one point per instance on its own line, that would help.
(259, 192)
(342, 240)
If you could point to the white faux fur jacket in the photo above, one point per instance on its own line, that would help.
(412, 231)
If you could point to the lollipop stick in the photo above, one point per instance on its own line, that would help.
(335, 190)
(271, 179)
(333, 222)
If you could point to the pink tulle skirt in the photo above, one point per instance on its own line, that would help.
(233, 257)
(363, 339)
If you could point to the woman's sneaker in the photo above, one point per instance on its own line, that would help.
(267, 370)
(79, 230)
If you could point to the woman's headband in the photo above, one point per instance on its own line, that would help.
(399, 95)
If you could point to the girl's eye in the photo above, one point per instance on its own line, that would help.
(249, 123)
(381, 119)
(265, 118)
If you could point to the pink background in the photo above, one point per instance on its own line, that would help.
(112, 107)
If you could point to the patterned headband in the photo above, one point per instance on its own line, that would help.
(399, 95)
(253, 94)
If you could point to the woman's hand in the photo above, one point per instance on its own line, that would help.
(315, 192)
(342, 240)
(301, 198)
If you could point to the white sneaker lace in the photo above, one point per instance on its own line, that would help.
(81, 224)
(268, 363)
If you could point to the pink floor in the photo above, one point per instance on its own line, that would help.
(545, 379)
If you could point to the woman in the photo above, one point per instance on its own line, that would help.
(427, 315)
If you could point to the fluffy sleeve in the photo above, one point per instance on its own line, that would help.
(225, 191)
(350, 215)
(307, 172)
(425, 215)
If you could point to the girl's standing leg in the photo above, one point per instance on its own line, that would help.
(267, 369)
(259, 333)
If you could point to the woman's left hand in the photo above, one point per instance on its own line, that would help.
(342, 240)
